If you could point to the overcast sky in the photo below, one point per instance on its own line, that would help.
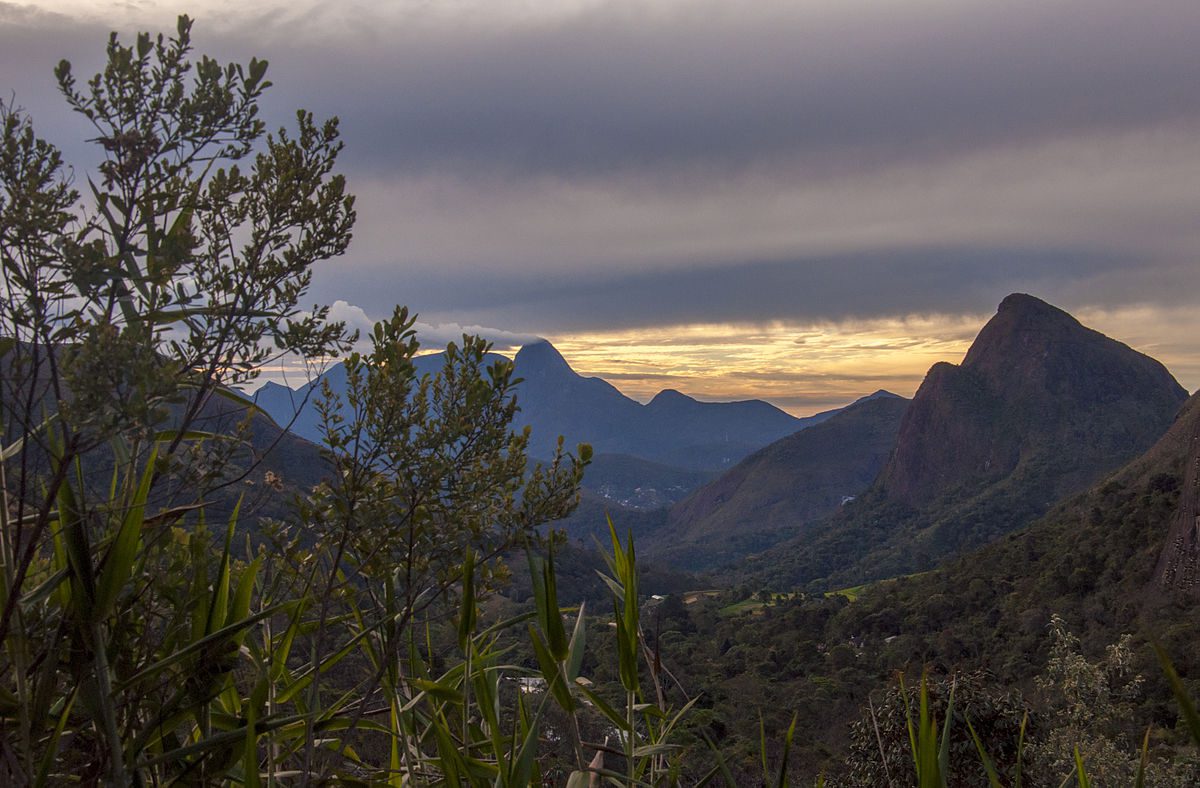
(842, 191)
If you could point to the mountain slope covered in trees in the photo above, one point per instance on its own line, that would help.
(782, 489)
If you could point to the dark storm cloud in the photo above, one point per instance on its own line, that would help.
(626, 86)
(925, 281)
(655, 87)
(716, 85)
(705, 116)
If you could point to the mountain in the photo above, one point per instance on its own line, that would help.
(980, 620)
(296, 409)
(1179, 564)
(1040, 408)
(1097, 559)
(556, 400)
(673, 429)
(781, 489)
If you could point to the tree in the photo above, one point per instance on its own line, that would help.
(135, 648)
(126, 312)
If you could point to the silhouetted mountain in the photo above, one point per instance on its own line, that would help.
(556, 400)
(1034, 385)
(779, 490)
(673, 429)
(296, 409)
(1040, 408)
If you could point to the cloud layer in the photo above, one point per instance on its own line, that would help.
(595, 166)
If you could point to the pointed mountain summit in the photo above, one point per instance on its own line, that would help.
(556, 400)
(1036, 385)
(541, 358)
(1040, 408)
(673, 429)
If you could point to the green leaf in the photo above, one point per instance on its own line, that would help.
(51, 745)
(556, 635)
(721, 763)
(944, 750)
(1081, 772)
(988, 766)
(440, 692)
(1143, 762)
(1020, 750)
(243, 596)
(118, 566)
(576, 651)
(468, 611)
(209, 640)
(218, 606)
(604, 707)
(781, 782)
(555, 680)
(1187, 707)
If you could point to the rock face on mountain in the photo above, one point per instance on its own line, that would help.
(1179, 566)
(673, 429)
(1040, 408)
(1035, 386)
(781, 489)
(1096, 559)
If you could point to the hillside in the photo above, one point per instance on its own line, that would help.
(1093, 560)
(640, 484)
(1040, 408)
(782, 489)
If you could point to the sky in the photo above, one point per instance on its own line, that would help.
(797, 201)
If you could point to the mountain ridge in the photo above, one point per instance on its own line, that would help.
(673, 429)
(1039, 409)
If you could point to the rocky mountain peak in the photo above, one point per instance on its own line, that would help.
(1036, 383)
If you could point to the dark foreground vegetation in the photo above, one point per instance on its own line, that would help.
(356, 636)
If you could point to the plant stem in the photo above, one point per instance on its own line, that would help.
(630, 701)
(107, 714)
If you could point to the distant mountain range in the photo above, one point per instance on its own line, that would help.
(1040, 408)
(672, 430)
